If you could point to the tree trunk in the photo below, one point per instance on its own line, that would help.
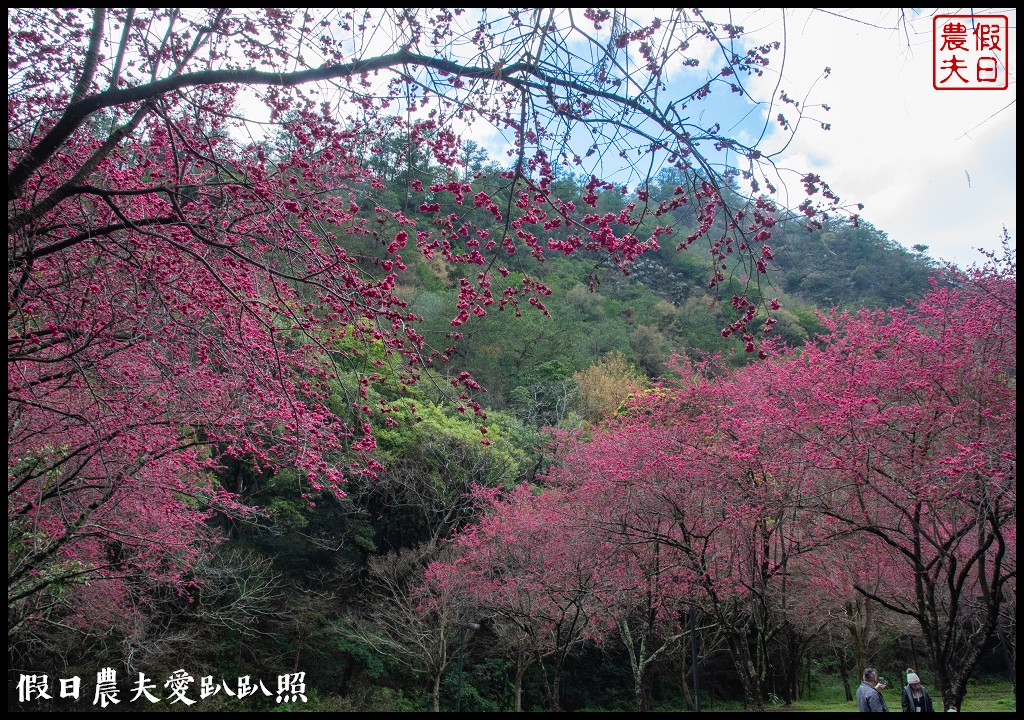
(556, 690)
(844, 671)
(520, 671)
(551, 687)
(858, 617)
(639, 696)
(684, 688)
(750, 676)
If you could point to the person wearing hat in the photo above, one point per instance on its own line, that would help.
(915, 695)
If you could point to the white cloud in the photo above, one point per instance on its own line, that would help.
(931, 167)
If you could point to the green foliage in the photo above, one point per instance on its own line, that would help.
(494, 464)
(286, 510)
(472, 700)
(846, 266)
(351, 645)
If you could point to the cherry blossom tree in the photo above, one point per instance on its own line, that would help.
(877, 461)
(643, 587)
(530, 565)
(197, 252)
(730, 489)
(909, 417)
(689, 497)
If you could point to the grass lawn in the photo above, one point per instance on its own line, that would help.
(988, 697)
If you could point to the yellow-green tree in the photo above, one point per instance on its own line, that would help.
(604, 385)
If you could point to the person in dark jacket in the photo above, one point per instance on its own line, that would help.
(869, 694)
(915, 695)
